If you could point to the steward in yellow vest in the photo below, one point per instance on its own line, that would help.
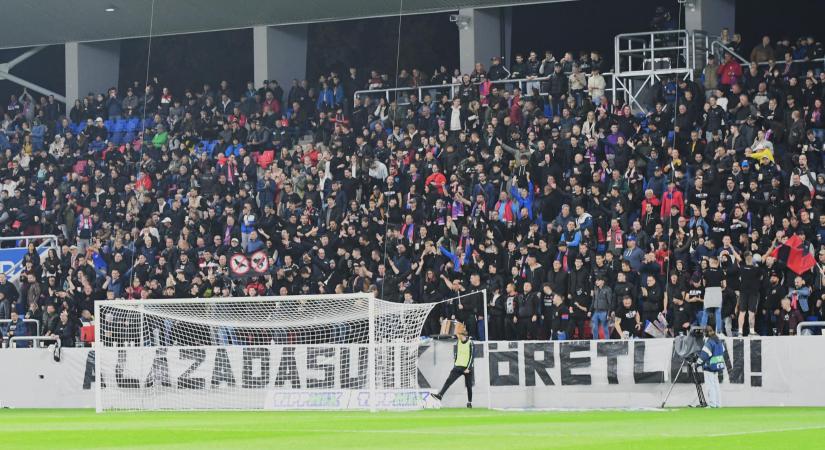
(463, 366)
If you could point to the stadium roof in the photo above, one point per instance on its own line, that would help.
(27, 23)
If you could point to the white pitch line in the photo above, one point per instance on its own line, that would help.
(780, 430)
(547, 434)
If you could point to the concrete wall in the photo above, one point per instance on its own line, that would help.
(481, 40)
(711, 16)
(280, 53)
(91, 67)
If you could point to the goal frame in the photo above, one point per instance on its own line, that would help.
(98, 345)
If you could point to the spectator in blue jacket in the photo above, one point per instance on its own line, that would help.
(234, 148)
(571, 237)
(16, 328)
(524, 197)
(326, 98)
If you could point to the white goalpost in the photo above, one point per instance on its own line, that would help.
(295, 352)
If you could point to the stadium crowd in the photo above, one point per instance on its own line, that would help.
(578, 217)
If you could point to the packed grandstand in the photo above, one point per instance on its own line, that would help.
(580, 216)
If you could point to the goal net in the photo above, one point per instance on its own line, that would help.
(294, 352)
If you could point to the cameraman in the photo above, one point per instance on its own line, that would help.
(713, 363)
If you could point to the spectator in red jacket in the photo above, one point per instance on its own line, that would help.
(672, 197)
(436, 181)
(650, 199)
(730, 72)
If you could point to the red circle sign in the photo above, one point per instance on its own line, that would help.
(239, 264)
(260, 262)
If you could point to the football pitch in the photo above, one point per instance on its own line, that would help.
(477, 429)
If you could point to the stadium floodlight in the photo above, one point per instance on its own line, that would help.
(347, 351)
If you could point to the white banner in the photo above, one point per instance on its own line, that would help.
(257, 377)
(629, 374)
(572, 374)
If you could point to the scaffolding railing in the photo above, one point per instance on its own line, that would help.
(401, 94)
(643, 59)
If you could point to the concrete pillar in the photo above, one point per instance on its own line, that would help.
(710, 15)
(280, 53)
(507, 24)
(91, 67)
(479, 37)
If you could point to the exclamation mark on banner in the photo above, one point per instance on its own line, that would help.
(756, 362)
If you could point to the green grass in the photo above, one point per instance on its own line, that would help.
(445, 429)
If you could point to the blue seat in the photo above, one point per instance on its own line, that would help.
(132, 125)
(117, 126)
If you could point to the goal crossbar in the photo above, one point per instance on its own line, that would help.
(254, 352)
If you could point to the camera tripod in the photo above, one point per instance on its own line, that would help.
(690, 362)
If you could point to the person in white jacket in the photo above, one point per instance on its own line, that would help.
(596, 85)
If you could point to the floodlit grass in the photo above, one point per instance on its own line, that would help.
(477, 429)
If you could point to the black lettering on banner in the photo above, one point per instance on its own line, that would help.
(385, 366)
(640, 376)
(222, 370)
(287, 369)
(423, 382)
(120, 368)
(328, 367)
(89, 374)
(676, 363)
(735, 361)
(251, 380)
(540, 367)
(511, 358)
(756, 362)
(159, 373)
(569, 363)
(407, 358)
(612, 350)
(359, 381)
(197, 356)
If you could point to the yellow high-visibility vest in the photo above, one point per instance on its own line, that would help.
(463, 353)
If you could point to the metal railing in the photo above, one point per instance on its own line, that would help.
(809, 324)
(27, 239)
(642, 59)
(46, 241)
(5, 322)
(33, 339)
(452, 88)
(718, 48)
(631, 50)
